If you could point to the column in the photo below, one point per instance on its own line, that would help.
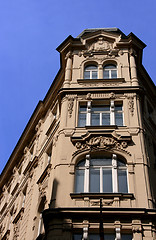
(133, 70)
(68, 70)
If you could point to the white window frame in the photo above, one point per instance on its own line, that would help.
(91, 71)
(112, 113)
(110, 71)
(114, 168)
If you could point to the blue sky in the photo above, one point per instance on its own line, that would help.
(31, 30)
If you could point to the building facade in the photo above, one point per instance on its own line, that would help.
(85, 165)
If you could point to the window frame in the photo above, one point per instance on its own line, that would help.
(114, 177)
(89, 105)
(110, 71)
(91, 71)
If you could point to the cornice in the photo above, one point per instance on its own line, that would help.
(25, 137)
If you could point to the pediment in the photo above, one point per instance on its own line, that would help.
(101, 37)
(101, 43)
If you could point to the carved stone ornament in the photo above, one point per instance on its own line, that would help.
(16, 232)
(70, 106)
(131, 105)
(38, 126)
(102, 143)
(100, 46)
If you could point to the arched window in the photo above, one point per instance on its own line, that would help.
(91, 72)
(101, 175)
(109, 71)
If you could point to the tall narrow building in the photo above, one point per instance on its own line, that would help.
(85, 165)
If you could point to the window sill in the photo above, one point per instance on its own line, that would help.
(100, 80)
(101, 195)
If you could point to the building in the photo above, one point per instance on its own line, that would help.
(85, 165)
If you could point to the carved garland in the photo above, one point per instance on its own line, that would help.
(105, 143)
(131, 105)
(70, 106)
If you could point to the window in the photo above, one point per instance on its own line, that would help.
(101, 175)
(109, 71)
(106, 237)
(100, 114)
(91, 72)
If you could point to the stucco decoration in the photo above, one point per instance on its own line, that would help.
(101, 46)
(70, 106)
(102, 143)
(131, 105)
(16, 232)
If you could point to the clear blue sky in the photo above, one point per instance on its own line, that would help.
(30, 31)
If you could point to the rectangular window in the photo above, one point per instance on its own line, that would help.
(94, 180)
(86, 75)
(122, 181)
(79, 184)
(118, 115)
(94, 74)
(100, 115)
(82, 116)
(107, 180)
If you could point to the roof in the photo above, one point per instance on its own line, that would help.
(91, 30)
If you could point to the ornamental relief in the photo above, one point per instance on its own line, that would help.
(111, 95)
(102, 143)
(130, 98)
(100, 46)
(70, 106)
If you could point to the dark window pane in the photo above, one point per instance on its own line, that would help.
(126, 237)
(105, 119)
(95, 119)
(87, 75)
(113, 74)
(118, 107)
(81, 164)
(82, 120)
(118, 119)
(94, 75)
(101, 162)
(77, 237)
(110, 67)
(121, 163)
(79, 184)
(94, 237)
(98, 108)
(109, 236)
(83, 109)
(94, 180)
(91, 67)
(122, 181)
(107, 180)
(106, 74)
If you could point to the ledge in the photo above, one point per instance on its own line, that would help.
(18, 215)
(101, 195)
(44, 174)
(31, 164)
(101, 80)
